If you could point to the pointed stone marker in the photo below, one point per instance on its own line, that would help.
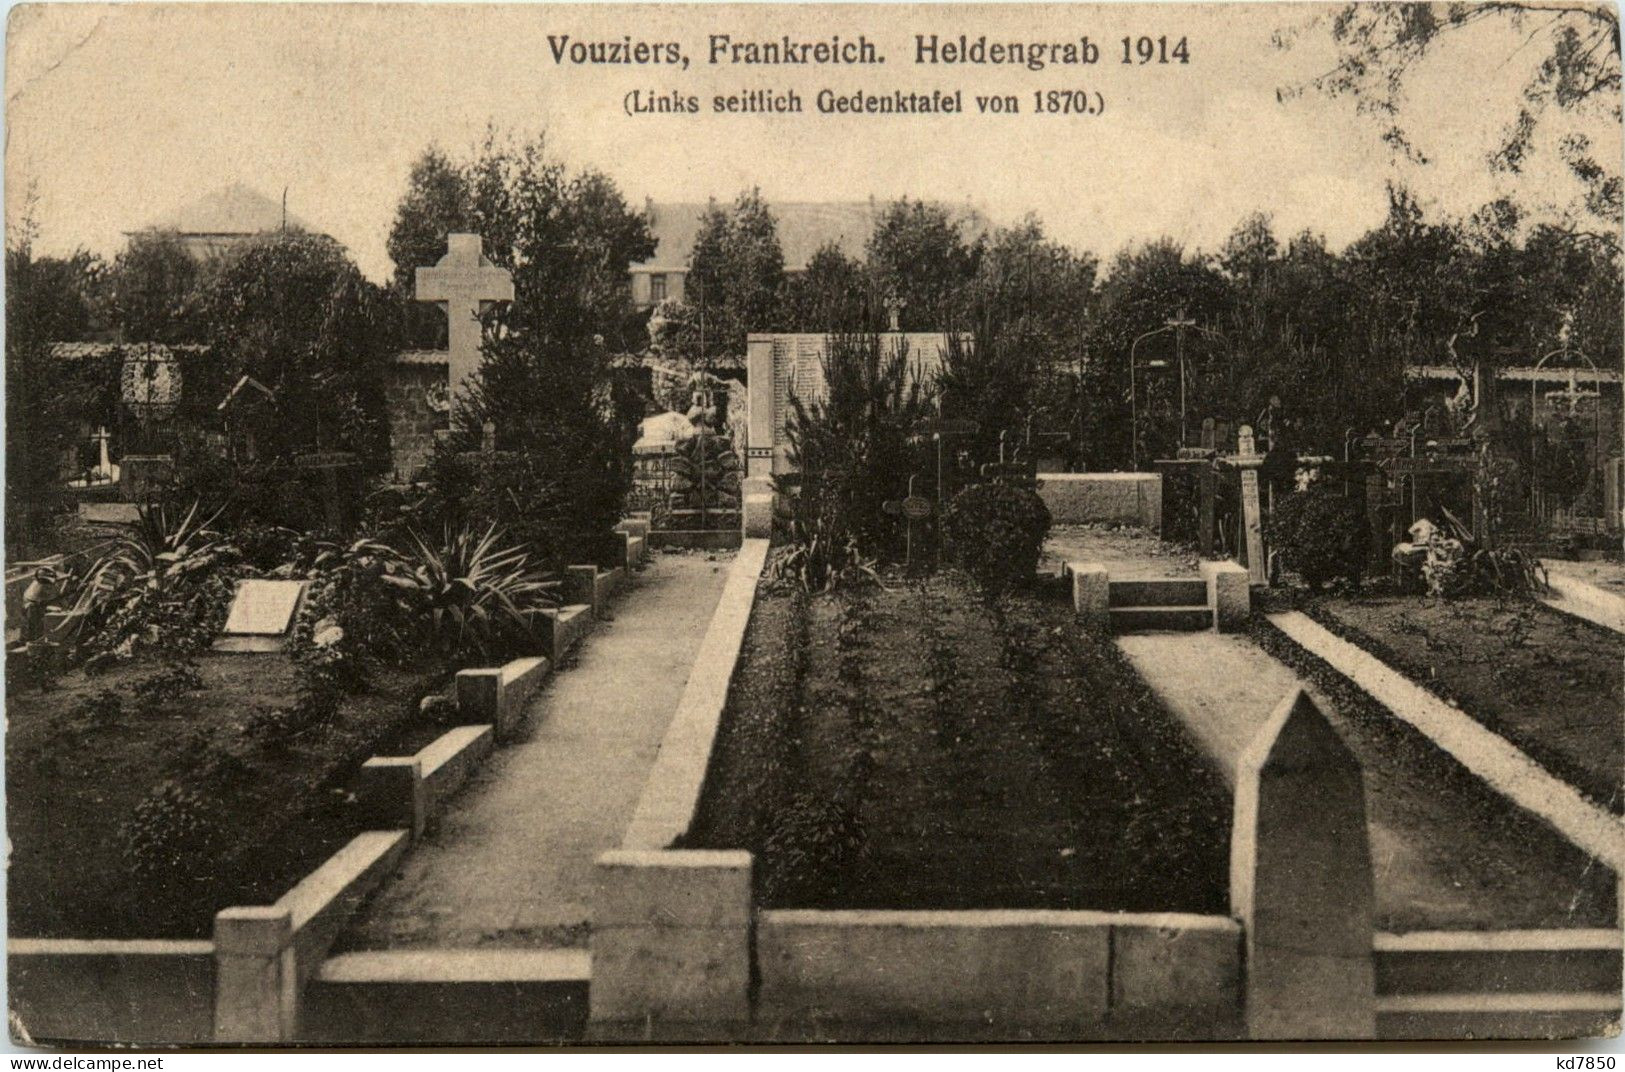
(1300, 880)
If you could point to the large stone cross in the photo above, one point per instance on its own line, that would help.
(462, 280)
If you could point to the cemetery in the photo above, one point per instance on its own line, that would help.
(859, 654)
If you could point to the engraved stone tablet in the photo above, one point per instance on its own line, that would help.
(261, 615)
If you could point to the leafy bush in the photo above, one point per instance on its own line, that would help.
(1320, 534)
(996, 531)
(172, 841)
(815, 843)
(165, 688)
(467, 597)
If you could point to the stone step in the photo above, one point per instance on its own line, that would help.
(441, 997)
(1461, 1017)
(1186, 619)
(1547, 961)
(1164, 592)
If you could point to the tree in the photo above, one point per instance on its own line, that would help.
(155, 290)
(544, 379)
(46, 302)
(1142, 290)
(735, 277)
(830, 296)
(1026, 307)
(292, 311)
(1575, 69)
(918, 253)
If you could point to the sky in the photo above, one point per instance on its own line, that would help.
(117, 115)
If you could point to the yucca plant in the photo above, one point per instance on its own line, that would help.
(473, 596)
(705, 475)
(147, 575)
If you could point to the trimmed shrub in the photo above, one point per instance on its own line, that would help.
(1320, 534)
(996, 532)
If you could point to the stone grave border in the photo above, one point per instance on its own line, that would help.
(246, 984)
(1103, 498)
(681, 951)
(1229, 595)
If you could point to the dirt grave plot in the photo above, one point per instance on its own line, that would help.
(255, 812)
(921, 748)
(1449, 852)
(1126, 552)
(1551, 684)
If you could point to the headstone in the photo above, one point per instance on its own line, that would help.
(261, 616)
(463, 279)
(337, 475)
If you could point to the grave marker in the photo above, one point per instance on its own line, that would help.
(463, 279)
(1248, 460)
(262, 615)
(915, 508)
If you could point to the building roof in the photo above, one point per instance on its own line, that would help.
(75, 351)
(232, 210)
(804, 228)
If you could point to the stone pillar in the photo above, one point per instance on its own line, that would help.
(671, 942)
(1300, 880)
(256, 986)
(390, 794)
(759, 424)
(1228, 594)
(757, 517)
(1091, 595)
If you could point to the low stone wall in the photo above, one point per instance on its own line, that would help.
(447, 997)
(593, 586)
(139, 993)
(407, 791)
(264, 955)
(672, 793)
(1114, 498)
(499, 695)
(561, 628)
(1025, 974)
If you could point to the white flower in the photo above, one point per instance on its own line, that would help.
(328, 637)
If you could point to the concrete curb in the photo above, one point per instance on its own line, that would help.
(1585, 600)
(672, 790)
(1491, 757)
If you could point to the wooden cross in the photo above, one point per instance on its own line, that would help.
(915, 508)
(463, 279)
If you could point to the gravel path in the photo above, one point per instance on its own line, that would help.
(511, 863)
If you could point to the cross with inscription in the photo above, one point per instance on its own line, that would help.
(463, 279)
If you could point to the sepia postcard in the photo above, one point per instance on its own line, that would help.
(538, 525)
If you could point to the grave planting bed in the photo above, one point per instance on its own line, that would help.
(259, 810)
(1548, 682)
(921, 748)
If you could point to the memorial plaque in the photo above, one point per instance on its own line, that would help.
(261, 615)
